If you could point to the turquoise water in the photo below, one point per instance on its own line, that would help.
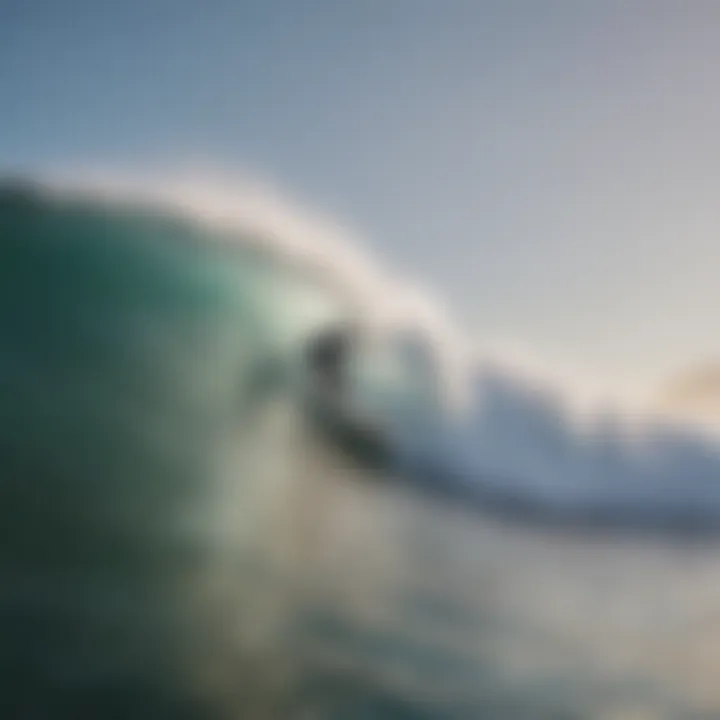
(179, 541)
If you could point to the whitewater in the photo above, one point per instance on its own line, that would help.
(181, 538)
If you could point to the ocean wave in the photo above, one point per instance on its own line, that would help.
(482, 434)
(179, 539)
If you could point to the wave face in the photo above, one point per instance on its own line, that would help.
(180, 539)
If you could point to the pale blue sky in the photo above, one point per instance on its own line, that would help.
(551, 167)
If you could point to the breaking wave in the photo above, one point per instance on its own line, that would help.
(487, 435)
(168, 482)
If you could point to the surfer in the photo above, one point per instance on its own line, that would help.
(328, 357)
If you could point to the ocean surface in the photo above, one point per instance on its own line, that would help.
(181, 536)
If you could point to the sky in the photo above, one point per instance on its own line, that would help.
(550, 168)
